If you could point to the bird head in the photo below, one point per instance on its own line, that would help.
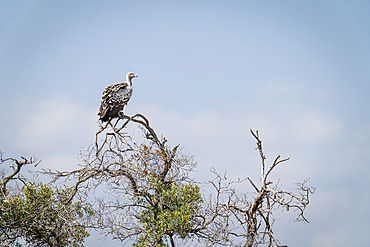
(131, 75)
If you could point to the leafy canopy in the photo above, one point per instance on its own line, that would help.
(38, 216)
(172, 215)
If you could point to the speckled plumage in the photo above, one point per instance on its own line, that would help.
(115, 97)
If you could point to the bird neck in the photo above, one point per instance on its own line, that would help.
(128, 80)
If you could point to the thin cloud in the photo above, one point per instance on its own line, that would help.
(54, 120)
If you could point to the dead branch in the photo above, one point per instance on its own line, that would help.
(16, 165)
(255, 210)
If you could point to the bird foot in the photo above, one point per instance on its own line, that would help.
(121, 115)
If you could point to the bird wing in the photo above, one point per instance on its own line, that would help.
(112, 100)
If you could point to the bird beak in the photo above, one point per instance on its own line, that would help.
(136, 75)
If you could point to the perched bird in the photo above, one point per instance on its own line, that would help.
(115, 97)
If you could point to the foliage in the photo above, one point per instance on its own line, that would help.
(38, 215)
(172, 215)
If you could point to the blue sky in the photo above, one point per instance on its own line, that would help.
(299, 71)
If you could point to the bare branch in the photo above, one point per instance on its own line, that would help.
(16, 165)
(255, 210)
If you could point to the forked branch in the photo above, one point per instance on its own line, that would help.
(16, 165)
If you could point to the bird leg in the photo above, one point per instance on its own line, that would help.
(121, 115)
(116, 123)
(111, 125)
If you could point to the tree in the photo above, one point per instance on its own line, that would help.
(150, 199)
(254, 211)
(36, 214)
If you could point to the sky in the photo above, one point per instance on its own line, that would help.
(298, 71)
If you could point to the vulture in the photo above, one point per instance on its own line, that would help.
(115, 97)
